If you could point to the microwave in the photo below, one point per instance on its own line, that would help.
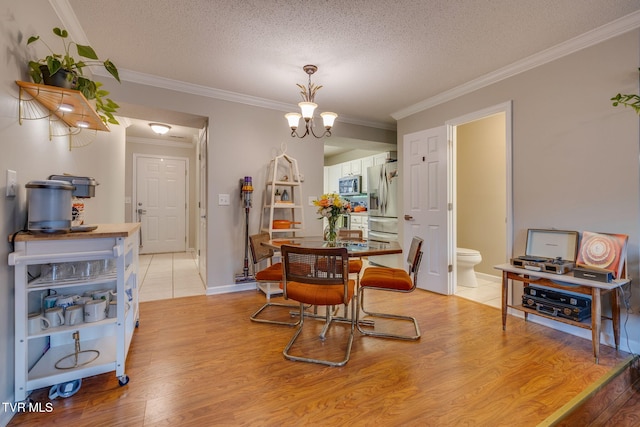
(350, 185)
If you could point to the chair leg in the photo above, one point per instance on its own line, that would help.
(289, 356)
(374, 333)
(254, 317)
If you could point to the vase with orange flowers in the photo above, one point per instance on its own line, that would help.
(331, 206)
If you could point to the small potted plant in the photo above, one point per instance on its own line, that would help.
(63, 70)
(628, 100)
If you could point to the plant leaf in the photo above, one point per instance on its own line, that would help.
(33, 39)
(111, 68)
(60, 33)
(53, 65)
(86, 51)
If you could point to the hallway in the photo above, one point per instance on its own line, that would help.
(170, 275)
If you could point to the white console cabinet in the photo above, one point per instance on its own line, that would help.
(112, 250)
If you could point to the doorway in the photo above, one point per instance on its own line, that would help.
(480, 175)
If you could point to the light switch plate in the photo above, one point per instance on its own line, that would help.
(12, 183)
(311, 200)
(224, 200)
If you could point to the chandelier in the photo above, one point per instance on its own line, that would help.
(307, 107)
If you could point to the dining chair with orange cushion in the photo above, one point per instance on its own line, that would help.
(269, 279)
(329, 287)
(395, 280)
(355, 264)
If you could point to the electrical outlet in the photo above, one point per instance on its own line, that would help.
(12, 183)
(224, 200)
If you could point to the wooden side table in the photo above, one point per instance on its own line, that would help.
(566, 282)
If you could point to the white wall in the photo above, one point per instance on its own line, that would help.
(568, 140)
(27, 150)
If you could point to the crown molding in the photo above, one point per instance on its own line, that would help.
(615, 28)
(225, 95)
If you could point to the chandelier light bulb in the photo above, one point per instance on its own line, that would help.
(328, 119)
(307, 108)
(293, 119)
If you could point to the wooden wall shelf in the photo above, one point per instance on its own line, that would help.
(52, 97)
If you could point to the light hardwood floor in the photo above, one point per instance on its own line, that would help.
(200, 361)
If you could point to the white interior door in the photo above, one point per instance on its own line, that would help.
(426, 212)
(161, 193)
(202, 205)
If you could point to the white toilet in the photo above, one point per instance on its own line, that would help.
(466, 260)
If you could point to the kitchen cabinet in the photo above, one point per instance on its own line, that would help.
(360, 222)
(111, 253)
(367, 162)
(381, 158)
(352, 167)
(335, 173)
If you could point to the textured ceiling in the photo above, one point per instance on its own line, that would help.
(375, 57)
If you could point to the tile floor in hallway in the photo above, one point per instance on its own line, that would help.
(175, 275)
(171, 275)
(488, 292)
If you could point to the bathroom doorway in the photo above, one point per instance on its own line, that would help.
(481, 193)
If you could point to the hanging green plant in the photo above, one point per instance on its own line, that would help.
(69, 73)
(628, 100)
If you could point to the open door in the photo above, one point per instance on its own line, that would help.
(426, 209)
(202, 204)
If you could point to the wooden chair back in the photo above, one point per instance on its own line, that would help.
(259, 252)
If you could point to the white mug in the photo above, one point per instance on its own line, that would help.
(65, 301)
(95, 310)
(83, 300)
(112, 311)
(73, 315)
(37, 323)
(50, 301)
(55, 316)
(104, 294)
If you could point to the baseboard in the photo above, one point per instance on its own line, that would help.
(217, 290)
(489, 277)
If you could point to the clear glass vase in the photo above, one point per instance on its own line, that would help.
(331, 231)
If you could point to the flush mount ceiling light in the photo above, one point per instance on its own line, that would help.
(159, 128)
(307, 107)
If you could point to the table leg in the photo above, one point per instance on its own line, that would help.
(505, 296)
(596, 321)
(615, 316)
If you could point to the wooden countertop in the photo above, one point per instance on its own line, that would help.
(103, 230)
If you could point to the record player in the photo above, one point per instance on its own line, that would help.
(549, 251)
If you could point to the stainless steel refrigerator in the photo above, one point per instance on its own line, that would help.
(382, 185)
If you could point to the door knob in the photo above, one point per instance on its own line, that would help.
(142, 211)
(408, 218)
